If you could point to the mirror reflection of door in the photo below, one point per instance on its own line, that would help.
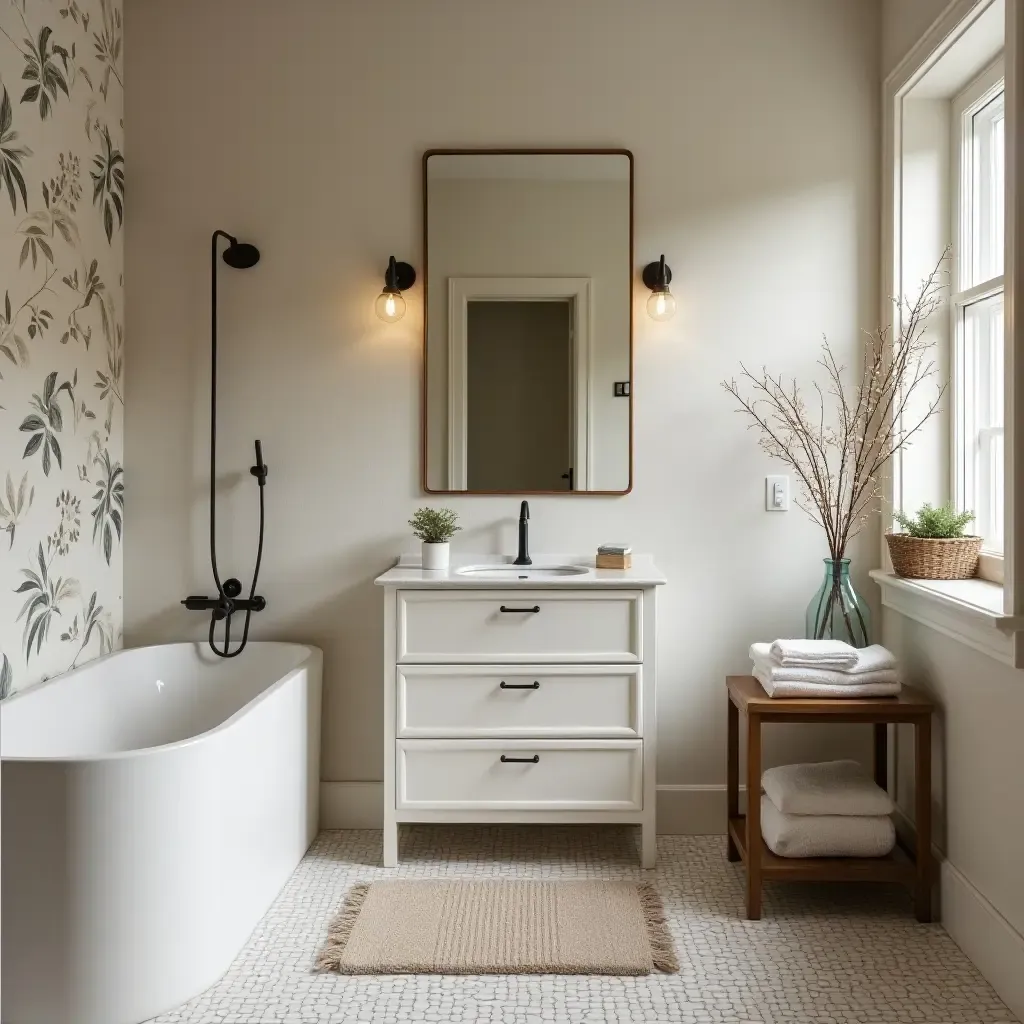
(519, 368)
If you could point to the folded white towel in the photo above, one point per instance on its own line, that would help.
(875, 658)
(829, 787)
(761, 657)
(849, 691)
(814, 653)
(825, 835)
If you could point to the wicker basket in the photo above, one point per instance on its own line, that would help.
(932, 558)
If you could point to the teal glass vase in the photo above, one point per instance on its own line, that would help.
(837, 611)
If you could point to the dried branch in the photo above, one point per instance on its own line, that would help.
(837, 465)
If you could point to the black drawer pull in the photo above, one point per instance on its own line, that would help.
(519, 686)
(520, 760)
(531, 611)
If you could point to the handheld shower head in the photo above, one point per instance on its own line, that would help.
(241, 255)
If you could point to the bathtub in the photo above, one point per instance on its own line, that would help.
(154, 803)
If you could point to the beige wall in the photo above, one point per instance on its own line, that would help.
(977, 756)
(506, 228)
(903, 23)
(302, 130)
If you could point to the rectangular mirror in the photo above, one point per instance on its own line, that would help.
(528, 348)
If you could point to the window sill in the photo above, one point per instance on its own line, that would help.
(969, 611)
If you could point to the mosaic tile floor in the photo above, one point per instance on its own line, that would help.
(822, 954)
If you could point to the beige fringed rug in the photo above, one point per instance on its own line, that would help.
(500, 927)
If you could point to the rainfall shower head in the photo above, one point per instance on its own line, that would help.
(241, 255)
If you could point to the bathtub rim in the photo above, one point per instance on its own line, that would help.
(312, 654)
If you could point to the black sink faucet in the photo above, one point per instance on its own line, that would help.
(523, 558)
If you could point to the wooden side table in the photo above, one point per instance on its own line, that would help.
(745, 842)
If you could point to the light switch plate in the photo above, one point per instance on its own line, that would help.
(776, 493)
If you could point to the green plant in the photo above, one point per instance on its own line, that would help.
(943, 522)
(435, 525)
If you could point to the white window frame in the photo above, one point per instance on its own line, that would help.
(975, 605)
(988, 85)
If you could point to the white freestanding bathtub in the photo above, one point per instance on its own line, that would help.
(154, 803)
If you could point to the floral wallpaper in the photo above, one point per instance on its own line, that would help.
(61, 335)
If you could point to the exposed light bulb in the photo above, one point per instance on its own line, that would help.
(390, 306)
(661, 305)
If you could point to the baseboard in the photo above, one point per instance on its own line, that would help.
(682, 810)
(994, 946)
(987, 939)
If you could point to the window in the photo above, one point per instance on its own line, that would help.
(977, 308)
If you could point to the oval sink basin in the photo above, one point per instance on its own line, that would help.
(512, 573)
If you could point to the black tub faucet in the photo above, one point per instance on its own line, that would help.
(523, 558)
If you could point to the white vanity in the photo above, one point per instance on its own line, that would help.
(520, 694)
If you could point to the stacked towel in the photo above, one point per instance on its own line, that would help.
(824, 668)
(830, 809)
(814, 654)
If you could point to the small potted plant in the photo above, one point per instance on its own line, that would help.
(934, 546)
(435, 527)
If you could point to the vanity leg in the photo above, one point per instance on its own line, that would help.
(391, 844)
(648, 845)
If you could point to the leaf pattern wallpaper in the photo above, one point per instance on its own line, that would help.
(62, 185)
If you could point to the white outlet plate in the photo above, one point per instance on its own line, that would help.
(776, 493)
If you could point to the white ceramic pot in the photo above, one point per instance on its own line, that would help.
(435, 556)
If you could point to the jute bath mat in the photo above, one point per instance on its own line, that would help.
(500, 927)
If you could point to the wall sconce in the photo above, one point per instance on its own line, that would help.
(399, 277)
(662, 304)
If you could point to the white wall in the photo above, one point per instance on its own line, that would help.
(302, 129)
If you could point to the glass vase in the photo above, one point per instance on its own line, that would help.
(837, 611)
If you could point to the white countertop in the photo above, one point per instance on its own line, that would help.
(406, 573)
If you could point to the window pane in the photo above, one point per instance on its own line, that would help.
(981, 417)
(986, 192)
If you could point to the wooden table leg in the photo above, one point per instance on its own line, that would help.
(732, 785)
(923, 818)
(753, 817)
(882, 755)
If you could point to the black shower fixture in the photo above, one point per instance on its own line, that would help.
(240, 256)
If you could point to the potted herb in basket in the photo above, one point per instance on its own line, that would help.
(933, 545)
(435, 527)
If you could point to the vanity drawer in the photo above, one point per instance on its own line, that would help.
(552, 775)
(480, 626)
(519, 700)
